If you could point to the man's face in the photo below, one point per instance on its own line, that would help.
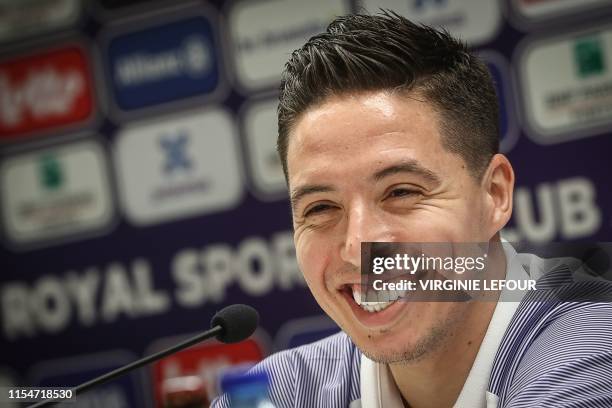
(371, 167)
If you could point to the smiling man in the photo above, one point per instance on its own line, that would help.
(388, 132)
(372, 166)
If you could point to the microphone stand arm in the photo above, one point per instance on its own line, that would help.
(136, 364)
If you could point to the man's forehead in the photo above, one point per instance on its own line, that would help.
(363, 114)
(372, 124)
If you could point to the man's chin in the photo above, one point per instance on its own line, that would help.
(381, 351)
(394, 357)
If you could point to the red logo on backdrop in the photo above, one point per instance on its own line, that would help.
(43, 91)
(205, 361)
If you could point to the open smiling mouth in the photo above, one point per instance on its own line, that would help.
(377, 300)
(383, 312)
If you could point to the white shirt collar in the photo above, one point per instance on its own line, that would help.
(378, 389)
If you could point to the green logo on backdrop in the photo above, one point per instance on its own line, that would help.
(589, 57)
(50, 172)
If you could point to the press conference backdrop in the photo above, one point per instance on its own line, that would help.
(141, 191)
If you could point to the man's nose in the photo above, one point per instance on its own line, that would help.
(362, 225)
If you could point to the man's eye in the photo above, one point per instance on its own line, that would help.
(402, 192)
(317, 209)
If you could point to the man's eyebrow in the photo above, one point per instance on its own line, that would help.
(302, 191)
(409, 166)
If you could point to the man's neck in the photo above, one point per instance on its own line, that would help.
(436, 380)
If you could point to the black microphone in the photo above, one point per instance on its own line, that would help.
(231, 324)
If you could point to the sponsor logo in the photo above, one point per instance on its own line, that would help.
(55, 192)
(44, 91)
(186, 165)
(207, 361)
(264, 33)
(567, 86)
(51, 173)
(538, 10)
(589, 57)
(164, 63)
(24, 18)
(475, 21)
(175, 151)
(261, 131)
(192, 59)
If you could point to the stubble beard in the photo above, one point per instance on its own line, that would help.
(432, 341)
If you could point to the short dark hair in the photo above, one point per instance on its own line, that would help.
(361, 52)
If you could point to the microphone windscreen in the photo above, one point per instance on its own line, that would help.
(238, 322)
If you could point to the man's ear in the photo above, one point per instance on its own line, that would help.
(498, 182)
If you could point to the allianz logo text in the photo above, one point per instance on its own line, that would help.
(194, 59)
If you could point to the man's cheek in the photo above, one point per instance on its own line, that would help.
(304, 260)
(311, 273)
(316, 284)
(307, 251)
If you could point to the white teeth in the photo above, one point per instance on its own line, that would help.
(357, 295)
(396, 294)
(385, 299)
